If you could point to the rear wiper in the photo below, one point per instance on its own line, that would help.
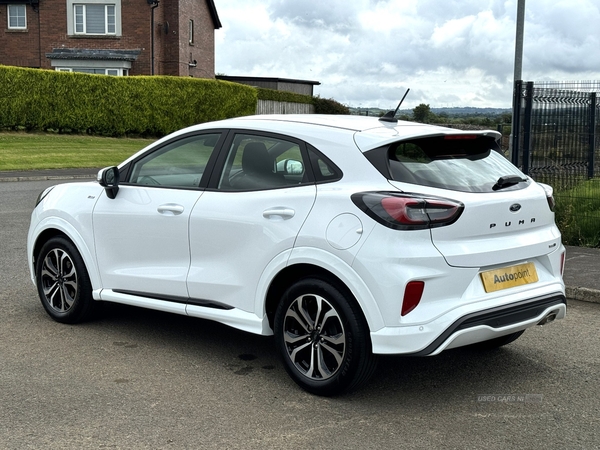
(508, 180)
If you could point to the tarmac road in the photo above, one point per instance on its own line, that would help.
(143, 379)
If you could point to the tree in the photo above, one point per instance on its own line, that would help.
(422, 113)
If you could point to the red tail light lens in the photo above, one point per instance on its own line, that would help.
(412, 296)
(456, 137)
(408, 211)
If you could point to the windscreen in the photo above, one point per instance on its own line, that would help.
(462, 163)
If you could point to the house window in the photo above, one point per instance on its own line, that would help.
(95, 19)
(191, 31)
(96, 71)
(17, 17)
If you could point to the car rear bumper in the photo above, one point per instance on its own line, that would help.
(470, 328)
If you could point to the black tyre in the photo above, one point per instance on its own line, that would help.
(498, 342)
(323, 338)
(63, 283)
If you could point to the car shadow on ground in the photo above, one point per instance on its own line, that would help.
(451, 376)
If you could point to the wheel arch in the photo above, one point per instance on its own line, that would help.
(295, 272)
(52, 229)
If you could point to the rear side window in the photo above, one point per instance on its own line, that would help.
(461, 163)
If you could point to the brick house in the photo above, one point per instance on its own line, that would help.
(112, 37)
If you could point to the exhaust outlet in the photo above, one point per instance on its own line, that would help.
(549, 318)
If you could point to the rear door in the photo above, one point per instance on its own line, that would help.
(506, 215)
(499, 228)
(249, 218)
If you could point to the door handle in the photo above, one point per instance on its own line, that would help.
(170, 209)
(281, 213)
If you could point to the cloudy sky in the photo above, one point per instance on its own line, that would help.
(450, 53)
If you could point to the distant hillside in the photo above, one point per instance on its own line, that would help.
(456, 112)
(470, 111)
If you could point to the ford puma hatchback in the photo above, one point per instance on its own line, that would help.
(344, 237)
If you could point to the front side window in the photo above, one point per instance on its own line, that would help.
(94, 18)
(17, 17)
(179, 164)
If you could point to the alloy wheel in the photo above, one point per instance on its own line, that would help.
(59, 280)
(314, 337)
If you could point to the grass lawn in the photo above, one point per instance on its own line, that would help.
(36, 151)
(578, 213)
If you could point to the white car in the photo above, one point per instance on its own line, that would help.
(345, 237)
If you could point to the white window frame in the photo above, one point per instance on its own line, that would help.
(191, 32)
(117, 72)
(71, 16)
(80, 11)
(9, 15)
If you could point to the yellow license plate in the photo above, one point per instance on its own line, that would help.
(507, 277)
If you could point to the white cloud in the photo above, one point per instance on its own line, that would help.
(448, 52)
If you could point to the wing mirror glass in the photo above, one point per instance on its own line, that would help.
(290, 167)
(109, 179)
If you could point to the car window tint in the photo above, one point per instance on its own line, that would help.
(261, 162)
(177, 164)
(323, 168)
(468, 165)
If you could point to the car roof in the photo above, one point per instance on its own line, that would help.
(369, 132)
(344, 122)
(366, 132)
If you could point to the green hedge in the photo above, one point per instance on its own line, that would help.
(114, 106)
(322, 105)
(329, 106)
(283, 96)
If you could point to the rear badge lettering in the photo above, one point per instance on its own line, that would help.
(509, 224)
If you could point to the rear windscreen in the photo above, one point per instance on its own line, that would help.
(461, 163)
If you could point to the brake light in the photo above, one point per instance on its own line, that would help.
(451, 137)
(408, 211)
(562, 263)
(412, 296)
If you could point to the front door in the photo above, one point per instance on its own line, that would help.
(142, 236)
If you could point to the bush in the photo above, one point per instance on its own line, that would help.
(114, 106)
(283, 96)
(329, 106)
(578, 214)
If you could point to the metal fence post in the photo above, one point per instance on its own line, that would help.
(515, 131)
(591, 162)
(527, 127)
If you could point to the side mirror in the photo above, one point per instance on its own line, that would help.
(290, 167)
(109, 179)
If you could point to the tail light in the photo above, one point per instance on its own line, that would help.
(402, 211)
(549, 195)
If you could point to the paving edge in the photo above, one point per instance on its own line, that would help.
(583, 294)
(48, 177)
